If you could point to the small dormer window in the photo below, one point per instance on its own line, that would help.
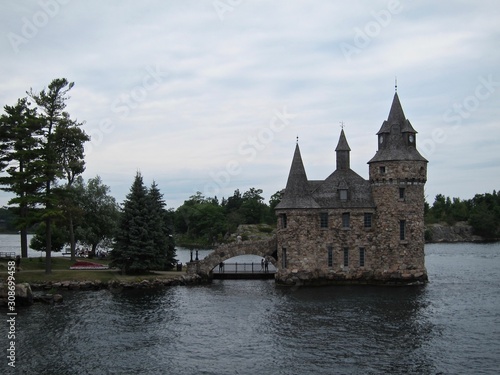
(411, 139)
(343, 194)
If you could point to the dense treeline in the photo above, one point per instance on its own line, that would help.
(482, 212)
(205, 221)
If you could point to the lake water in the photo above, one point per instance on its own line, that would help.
(449, 326)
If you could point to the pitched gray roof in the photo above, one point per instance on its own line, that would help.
(358, 190)
(302, 193)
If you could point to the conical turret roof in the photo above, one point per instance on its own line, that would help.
(297, 191)
(342, 145)
(392, 145)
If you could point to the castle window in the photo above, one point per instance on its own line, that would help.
(361, 256)
(330, 256)
(343, 194)
(283, 221)
(368, 219)
(402, 193)
(323, 218)
(382, 170)
(346, 257)
(402, 230)
(284, 261)
(346, 219)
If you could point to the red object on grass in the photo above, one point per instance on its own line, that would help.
(82, 265)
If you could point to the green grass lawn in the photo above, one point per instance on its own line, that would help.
(33, 271)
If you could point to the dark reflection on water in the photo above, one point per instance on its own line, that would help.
(449, 326)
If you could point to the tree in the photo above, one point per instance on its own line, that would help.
(253, 209)
(59, 237)
(485, 214)
(161, 229)
(61, 142)
(99, 212)
(201, 220)
(20, 157)
(70, 140)
(141, 243)
(274, 201)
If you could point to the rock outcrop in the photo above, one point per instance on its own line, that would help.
(442, 232)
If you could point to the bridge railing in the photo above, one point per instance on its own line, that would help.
(253, 267)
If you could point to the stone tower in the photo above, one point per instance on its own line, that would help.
(397, 176)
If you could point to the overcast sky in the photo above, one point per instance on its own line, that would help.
(210, 96)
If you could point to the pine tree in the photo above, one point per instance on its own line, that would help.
(20, 156)
(161, 229)
(134, 251)
(61, 151)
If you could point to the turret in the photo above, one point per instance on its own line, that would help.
(343, 152)
(397, 175)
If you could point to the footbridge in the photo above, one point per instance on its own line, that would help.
(263, 248)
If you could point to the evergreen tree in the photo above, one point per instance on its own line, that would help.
(161, 229)
(134, 248)
(61, 151)
(20, 157)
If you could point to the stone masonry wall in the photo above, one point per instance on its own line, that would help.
(307, 245)
(402, 259)
(387, 258)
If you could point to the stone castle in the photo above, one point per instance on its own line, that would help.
(346, 229)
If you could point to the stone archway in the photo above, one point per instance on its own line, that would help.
(264, 248)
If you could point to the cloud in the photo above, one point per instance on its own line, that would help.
(220, 82)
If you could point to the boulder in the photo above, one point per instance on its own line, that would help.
(24, 295)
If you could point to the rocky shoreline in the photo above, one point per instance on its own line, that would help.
(27, 294)
(115, 284)
(444, 233)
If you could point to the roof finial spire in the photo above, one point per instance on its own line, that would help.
(341, 124)
(297, 139)
(396, 84)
